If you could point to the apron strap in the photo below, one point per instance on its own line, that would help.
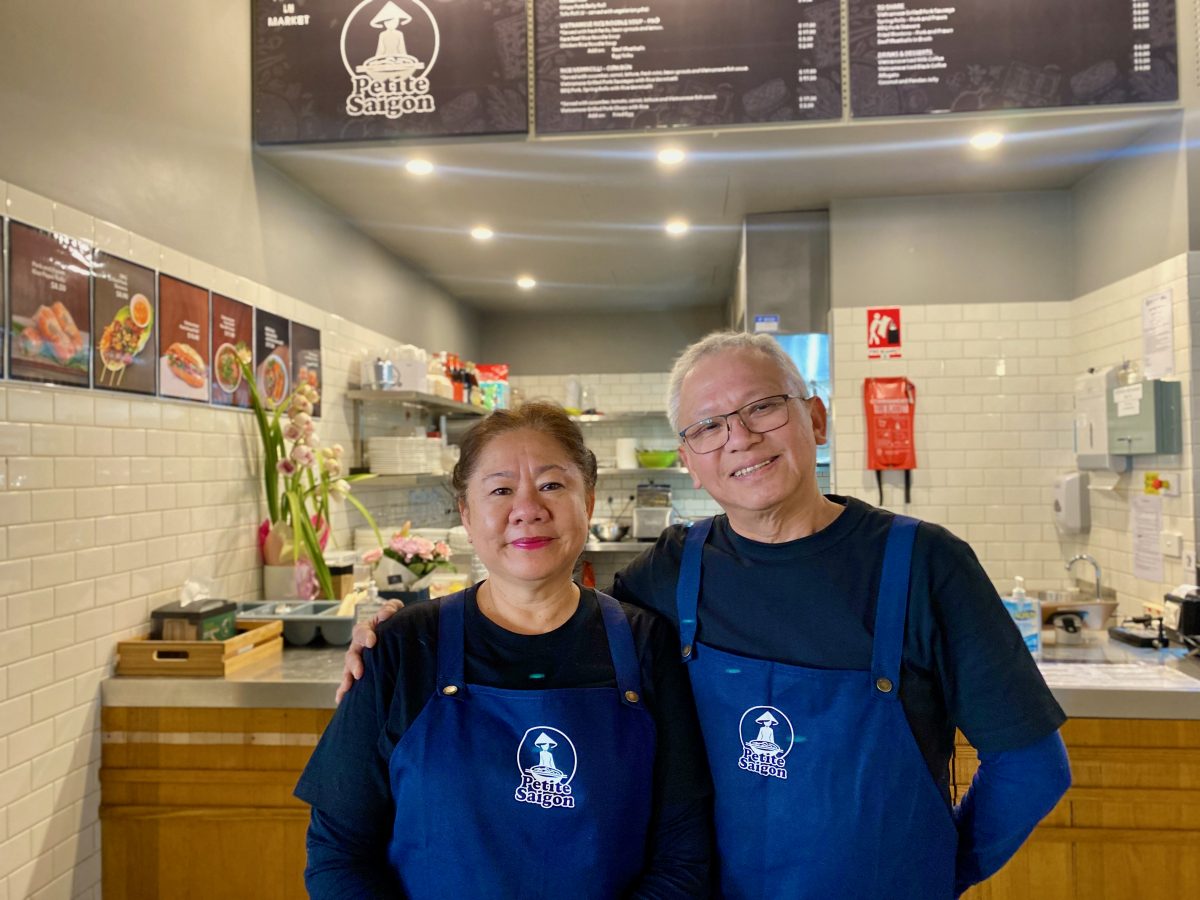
(620, 645)
(687, 589)
(891, 608)
(451, 647)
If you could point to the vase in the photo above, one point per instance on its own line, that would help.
(279, 583)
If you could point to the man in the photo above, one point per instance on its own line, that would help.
(833, 650)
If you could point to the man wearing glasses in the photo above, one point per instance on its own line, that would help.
(833, 650)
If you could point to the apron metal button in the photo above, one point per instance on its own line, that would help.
(631, 696)
(450, 690)
(687, 650)
(884, 685)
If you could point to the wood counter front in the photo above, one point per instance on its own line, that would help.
(196, 804)
(1129, 827)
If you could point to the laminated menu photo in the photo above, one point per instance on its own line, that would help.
(183, 340)
(49, 306)
(123, 302)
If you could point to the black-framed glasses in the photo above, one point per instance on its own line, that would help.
(758, 416)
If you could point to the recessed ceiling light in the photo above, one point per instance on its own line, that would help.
(677, 227)
(418, 167)
(482, 233)
(986, 140)
(526, 283)
(671, 156)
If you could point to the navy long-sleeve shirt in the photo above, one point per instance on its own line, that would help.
(347, 784)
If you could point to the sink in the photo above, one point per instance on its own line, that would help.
(1096, 613)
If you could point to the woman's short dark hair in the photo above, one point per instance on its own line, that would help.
(541, 416)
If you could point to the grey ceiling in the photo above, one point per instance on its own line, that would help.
(584, 216)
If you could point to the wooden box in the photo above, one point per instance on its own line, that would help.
(256, 642)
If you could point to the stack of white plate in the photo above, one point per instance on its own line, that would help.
(398, 455)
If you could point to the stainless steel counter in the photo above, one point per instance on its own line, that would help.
(1100, 679)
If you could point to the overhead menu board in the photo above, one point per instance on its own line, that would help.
(336, 70)
(925, 56)
(610, 65)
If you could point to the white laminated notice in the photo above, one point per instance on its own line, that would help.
(1128, 399)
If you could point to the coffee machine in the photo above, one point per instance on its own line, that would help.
(652, 511)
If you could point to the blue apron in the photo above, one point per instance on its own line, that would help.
(513, 793)
(821, 789)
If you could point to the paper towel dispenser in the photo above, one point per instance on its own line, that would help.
(1072, 512)
(1092, 393)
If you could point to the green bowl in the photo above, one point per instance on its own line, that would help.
(657, 459)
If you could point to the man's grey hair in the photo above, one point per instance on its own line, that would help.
(721, 342)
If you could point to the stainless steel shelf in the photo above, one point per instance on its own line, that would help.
(432, 402)
(671, 470)
(629, 416)
(631, 547)
(422, 479)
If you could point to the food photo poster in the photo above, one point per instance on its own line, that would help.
(233, 333)
(272, 357)
(183, 340)
(306, 359)
(49, 307)
(123, 303)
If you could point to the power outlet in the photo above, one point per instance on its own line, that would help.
(1171, 544)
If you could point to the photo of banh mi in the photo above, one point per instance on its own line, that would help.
(186, 365)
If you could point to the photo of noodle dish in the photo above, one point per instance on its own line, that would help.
(227, 368)
(50, 336)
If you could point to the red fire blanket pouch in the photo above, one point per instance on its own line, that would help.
(890, 405)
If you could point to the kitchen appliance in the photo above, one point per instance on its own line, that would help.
(652, 511)
(1181, 615)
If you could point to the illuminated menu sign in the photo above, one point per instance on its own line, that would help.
(610, 65)
(928, 56)
(326, 70)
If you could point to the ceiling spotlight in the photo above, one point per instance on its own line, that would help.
(482, 233)
(677, 227)
(671, 156)
(418, 167)
(526, 283)
(986, 140)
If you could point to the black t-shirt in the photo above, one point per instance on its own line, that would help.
(811, 602)
(347, 781)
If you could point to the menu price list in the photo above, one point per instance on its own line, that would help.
(608, 65)
(929, 56)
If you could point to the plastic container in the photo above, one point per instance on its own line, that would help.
(1027, 614)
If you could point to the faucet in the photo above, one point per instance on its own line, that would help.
(1095, 565)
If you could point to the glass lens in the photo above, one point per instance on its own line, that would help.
(758, 416)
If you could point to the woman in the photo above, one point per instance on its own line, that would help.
(526, 737)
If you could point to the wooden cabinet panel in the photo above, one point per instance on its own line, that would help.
(1129, 827)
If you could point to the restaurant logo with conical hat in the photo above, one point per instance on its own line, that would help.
(546, 761)
(767, 738)
(389, 48)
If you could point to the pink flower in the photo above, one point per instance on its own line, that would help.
(373, 556)
(292, 432)
(303, 455)
(306, 579)
(285, 467)
(442, 549)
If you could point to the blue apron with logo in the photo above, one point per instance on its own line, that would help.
(821, 789)
(513, 793)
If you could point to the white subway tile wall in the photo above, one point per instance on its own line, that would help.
(994, 417)
(107, 505)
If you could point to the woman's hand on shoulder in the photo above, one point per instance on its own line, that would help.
(362, 638)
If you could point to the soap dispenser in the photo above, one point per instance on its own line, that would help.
(1026, 612)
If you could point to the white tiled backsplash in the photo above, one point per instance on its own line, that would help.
(994, 419)
(108, 504)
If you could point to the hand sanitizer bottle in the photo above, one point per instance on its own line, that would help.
(1026, 611)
